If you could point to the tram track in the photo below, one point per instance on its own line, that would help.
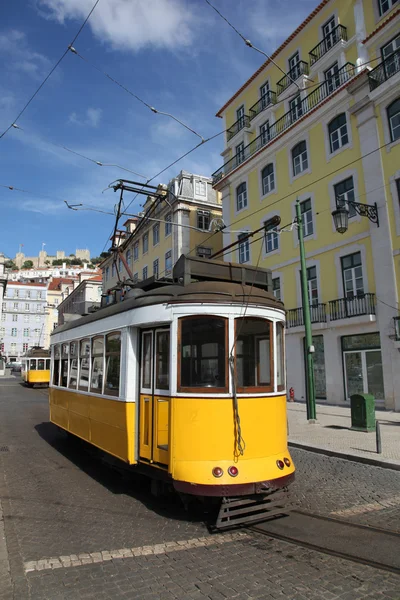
(370, 546)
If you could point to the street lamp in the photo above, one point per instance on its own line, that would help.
(341, 214)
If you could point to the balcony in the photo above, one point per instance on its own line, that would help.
(388, 67)
(263, 103)
(236, 127)
(295, 316)
(345, 308)
(300, 69)
(318, 95)
(335, 36)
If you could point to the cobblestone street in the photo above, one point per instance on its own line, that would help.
(108, 538)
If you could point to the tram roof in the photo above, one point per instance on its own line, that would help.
(37, 352)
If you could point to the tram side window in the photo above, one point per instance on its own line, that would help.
(96, 383)
(56, 365)
(32, 364)
(162, 360)
(280, 356)
(64, 365)
(254, 362)
(40, 364)
(84, 358)
(73, 365)
(203, 354)
(113, 362)
(47, 364)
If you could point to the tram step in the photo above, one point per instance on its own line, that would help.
(251, 509)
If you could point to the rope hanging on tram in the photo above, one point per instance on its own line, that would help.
(240, 444)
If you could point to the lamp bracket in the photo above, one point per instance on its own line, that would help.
(364, 210)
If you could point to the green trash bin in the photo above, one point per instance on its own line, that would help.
(362, 412)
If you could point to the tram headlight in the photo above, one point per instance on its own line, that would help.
(287, 462)
(233, 471)
(280, 464)
(217, 472)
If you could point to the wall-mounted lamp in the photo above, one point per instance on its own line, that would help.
(341, 214)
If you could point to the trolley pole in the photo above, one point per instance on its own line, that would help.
(310, 393)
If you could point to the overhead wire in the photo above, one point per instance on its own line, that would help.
(51, 71)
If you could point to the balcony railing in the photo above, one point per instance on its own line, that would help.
(388, 67)
(344, 308)
(306, 105)
(295, 316)
(337, 34)
(236, 127)
(300, 69)
(263, 103)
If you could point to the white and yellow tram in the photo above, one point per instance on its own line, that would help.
(185, 381)
(35, 367)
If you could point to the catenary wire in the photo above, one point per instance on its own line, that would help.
(51, 71)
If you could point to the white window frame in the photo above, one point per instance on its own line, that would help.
(276, 277)
(156, 268)
(243, 249)
(168, 255)
(241, 198)
(390, 4)
(200, 188)
(145, 239)
(168, 224)
(306, 224)
(268, 182)
(156, 234)
(145, 272)
(342, 131)
(202, 216)
(302, 164)
(136, 251)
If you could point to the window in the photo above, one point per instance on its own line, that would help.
(328, 33)
(344, 193)
(136, 251)
(38, 308)
(41, 363)
(145, 243)
(299, 158)
(385, 5)
(265, 133)
(264, 94)
(14, 332)
(39, 295)
(312, 285)
(244, 248)
(146, 359)
(203, 354)
(26, 318)
(200, 188)
(26, 306)
(2, 331)
(16, 293)
(294, 65)
(96, 380)
(168, 224)
(64, 365)
(296, 108)
(338, 136)
(203, 219)
(276, 287)
(156, 234)
(271, 240)
(107, 273)
(144, 273)
(120, 265)
(27, 294)
(203, 252)
(4, 306)
(136, 278)
(254, 354)
(240, 116)
(393, 112)
(3, 317)
(13, 347)
(26, 332)
(25, 347)
(113, 270)
(239, 153)
(37, 318)
(113, 361)
(307, 218)
(353, 284)
(36, 331)
(84, 365)
(168, 262)
(128, 256)
(155, 268)
(15, 306)
(332, 78)
(162, 360)
(32, 364)
(268, 179)
(15, 317)
(241, 196)
(73, 370)
(391, 56)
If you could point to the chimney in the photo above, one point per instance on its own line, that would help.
(64, 265)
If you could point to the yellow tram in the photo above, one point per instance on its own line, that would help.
(35, 367)
(185, 381)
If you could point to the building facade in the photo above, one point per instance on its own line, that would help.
(178, 225)
(58, 290)
(23, 319)
(43, 274)
(83, 299)
(327, 134)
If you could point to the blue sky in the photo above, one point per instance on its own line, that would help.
(178, 55)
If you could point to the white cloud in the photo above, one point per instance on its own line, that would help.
(91, 119)
(130, 25)
(14, 45)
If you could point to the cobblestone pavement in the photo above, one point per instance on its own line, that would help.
(61, 502)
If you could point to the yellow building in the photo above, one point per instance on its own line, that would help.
(327, 133)
(177, 225)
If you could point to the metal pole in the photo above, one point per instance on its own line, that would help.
(311, 412)
(378, 438)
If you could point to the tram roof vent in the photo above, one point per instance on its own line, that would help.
(188, 269)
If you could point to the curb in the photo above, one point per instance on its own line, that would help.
(384, 464)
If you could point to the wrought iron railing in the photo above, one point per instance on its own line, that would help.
(295, 316)
(306, 105)
(344, 308)
(388, 67)
(300, 69)
(236, 127)
(337, 34)
(265, 101)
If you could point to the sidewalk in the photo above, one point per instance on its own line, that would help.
(332, 435)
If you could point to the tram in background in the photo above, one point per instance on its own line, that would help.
(185, 381)
(35, 369)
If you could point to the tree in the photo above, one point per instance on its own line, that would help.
(90, 266)
(28, 264)
(10, 264)
(76, 261)
(47, 262)
(73, 255)
(105, 254)
(59, 261)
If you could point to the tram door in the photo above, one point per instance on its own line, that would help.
(154, 395)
